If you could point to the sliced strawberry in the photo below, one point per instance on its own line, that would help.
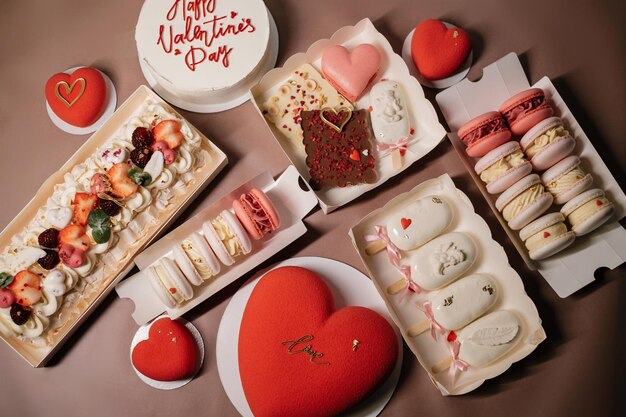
(168, 131)
(27, 288)
(82, 204)
(74, 236)
(122, 185)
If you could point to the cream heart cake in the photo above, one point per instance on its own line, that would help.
(300, 356)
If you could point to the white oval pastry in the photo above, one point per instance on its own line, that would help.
(419, 222)
(489, 337)
(442, 260)
(462, 302)
(389, 113)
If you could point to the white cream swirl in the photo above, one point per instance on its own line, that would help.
(184, 161)
(48, 305)
(34, 326)
(163, 181)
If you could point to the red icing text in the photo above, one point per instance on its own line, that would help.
(203, 25)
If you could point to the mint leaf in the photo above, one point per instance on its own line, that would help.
(100, 224)
(139, 177)
(5, 279)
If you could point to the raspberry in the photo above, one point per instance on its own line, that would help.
(142, 137)
(140, 156)
(49, 260)
(19, 314)
(109, 207)
(49, 238)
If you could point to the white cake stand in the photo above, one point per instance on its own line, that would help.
(234, 98)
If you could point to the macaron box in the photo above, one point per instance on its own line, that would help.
(549, 165)
(218, 245)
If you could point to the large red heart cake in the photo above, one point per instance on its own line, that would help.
(300, 357)
(438, 51)
(78, 98)
(169, 353)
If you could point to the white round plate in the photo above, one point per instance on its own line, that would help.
(438, 84)
(348, 286)
(142, 334)
(108, 109)
(240, 96)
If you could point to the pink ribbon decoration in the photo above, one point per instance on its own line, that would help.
(392, 250)
(434, 326)
(457, 364)
(410, 285)
(386, 148)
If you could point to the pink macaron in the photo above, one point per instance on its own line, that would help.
(484, 133)
(525, 109)
(502, 167)
(524, 201)
(546, 236)
(256, 213)
(547, 143)
(566, 179)
(227, 237)
(588, 211)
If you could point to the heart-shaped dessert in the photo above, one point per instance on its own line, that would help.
(78, 98)
(438, 51)
(169, 353)
(297, 355)
(350, 72)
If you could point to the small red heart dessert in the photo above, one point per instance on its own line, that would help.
(438, 51)
(79, 98)
(169, 353)
(298, 356)
(405, 222)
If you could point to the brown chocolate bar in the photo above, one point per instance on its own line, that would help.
(338, 147)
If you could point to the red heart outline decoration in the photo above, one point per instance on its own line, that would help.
(169, 353)
(438, 51)
(358, 346)
(79, 107)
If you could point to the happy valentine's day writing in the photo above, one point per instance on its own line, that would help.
(192, 12)
(307, 349)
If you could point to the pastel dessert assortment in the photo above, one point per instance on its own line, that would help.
(460, 310)
(89, 225)
(168, 354)
(290, 326)
(198, 258)
(78, 98)
(439, 51)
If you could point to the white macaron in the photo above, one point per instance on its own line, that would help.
(588, 211)
(169, 284)
(196, 259)
(234, 231)
(546, 236)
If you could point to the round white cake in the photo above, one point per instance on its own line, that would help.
(199, 53)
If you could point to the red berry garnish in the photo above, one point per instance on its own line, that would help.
(49, 260)
(111, 208)
(140, 156)
(49, 238)
(19, 314)
(142, 137)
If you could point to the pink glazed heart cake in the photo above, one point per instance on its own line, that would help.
(202, 51)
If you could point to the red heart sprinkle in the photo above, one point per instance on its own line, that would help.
(355, 156)
(405, 222)
(173, 290)
(599, 203)
(546, 235)
(176, 51)
(233, 14)
(411, 131)
(370, 109)
(451, 337)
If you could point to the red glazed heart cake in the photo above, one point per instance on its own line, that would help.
(78, 98)
(438, 51)
(169, 353)
(300, 356)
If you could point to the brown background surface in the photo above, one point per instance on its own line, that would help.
(577, 371)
